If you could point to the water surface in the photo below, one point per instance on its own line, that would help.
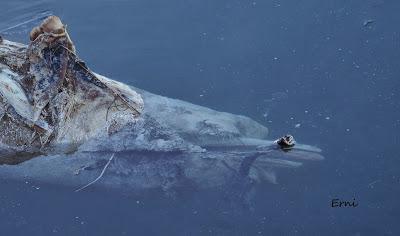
(325, 71)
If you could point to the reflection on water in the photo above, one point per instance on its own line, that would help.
(282, 63)
(18, 17)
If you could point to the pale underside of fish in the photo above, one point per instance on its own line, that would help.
(61, 123)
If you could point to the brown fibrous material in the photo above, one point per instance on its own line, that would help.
(51, 24)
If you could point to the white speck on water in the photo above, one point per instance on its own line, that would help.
(201, 95)
(137, 202)
(348, 130)
(276, 58)
(297, 125)
(368, 22)
(327, 118)
(306, 111)
(356, 65)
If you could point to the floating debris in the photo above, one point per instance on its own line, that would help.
(368, 22)
(286, 142)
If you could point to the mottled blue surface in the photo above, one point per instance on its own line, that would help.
(331, 68)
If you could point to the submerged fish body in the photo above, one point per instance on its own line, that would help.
(133, 170)
(61, 123)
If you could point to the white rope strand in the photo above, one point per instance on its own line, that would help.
(101, 174)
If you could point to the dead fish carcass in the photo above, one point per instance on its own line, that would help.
(54, 108)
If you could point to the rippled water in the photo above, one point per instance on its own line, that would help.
(325, 71)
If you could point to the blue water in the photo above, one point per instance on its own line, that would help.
(331, 67)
